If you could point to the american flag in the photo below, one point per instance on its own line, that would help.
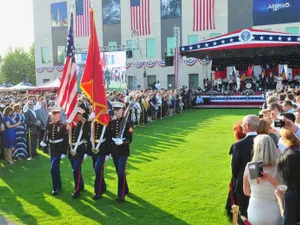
(67, 92)
(140, 16)
(82, 18)
(204, 15)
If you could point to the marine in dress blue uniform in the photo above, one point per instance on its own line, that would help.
(56, 137)
(119, 148)
(98, 151)
(78, 136)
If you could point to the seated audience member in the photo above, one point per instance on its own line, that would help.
(263, 208)
(289, 200)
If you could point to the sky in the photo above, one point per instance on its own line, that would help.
(16, 24)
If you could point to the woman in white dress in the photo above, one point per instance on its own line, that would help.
(263, 207)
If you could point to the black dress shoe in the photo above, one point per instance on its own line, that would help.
(120, 199)
(97, 196)
(76, 194)
(55, 192)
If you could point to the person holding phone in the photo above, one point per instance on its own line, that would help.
(263, 208)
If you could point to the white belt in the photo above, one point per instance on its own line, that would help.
(56, 141)
(79, 143)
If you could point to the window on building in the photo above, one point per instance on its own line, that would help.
(170, 46)
(45, 55)
(78, 48)
(292, 30)
(61, 54)
(112, 43)
(193, 39)
(129, 45)
(151, 48)
(46, 80)
(214, 35)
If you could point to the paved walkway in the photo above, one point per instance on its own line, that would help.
(4, 221)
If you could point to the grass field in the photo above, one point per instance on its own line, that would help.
(178, 173)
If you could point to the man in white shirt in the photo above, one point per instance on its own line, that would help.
(157, 85)
(287, 106)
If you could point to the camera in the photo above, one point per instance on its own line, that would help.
(279, 123)
(255, 169)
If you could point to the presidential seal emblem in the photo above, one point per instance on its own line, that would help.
(246, 36)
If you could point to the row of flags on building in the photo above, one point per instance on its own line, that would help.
(140, 16)
(92, 77)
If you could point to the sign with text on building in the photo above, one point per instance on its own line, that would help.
(267, 12)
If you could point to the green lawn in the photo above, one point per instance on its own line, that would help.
(178, 173)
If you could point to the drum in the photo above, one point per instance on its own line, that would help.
(248, 83)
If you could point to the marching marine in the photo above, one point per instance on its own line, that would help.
(97, 149)
(56, 137)
(119, 137)
(78, 136)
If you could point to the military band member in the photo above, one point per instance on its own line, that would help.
(56, 137)
(119, 147)
(78, 135)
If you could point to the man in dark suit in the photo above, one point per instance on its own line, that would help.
(42, 115)
(33, 126)
(84, 105)
(241, 155)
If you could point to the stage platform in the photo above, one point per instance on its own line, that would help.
(231, 101)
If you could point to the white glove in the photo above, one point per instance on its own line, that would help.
(43, 144)
(103, 140)
(108, 157)
(92, 116)
(62, 156)
(118, 141)
(85, 156)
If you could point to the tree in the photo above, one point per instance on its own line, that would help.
(17, 64)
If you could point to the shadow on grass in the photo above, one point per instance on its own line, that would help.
(31, 181)
(134, 211)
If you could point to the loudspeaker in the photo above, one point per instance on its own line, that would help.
(129, 54)
(169, 60)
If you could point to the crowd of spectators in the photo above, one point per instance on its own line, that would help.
(271, 139)
(21, 130)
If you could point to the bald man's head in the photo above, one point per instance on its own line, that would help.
(250, 123)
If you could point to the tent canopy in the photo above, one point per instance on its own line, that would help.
(48, 86)
(248, 46)
(23, 86)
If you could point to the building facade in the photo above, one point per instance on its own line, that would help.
(51, 27)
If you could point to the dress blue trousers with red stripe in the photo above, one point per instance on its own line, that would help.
(55, 173)
(76, 168)
(98, 164)
(120, 164)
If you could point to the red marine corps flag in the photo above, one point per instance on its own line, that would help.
(92, 82)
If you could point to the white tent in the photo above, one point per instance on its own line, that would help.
(48, 86)
(21, 87)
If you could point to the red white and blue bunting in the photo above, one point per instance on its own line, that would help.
(149, 64)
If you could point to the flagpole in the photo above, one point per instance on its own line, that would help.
(93, 75)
